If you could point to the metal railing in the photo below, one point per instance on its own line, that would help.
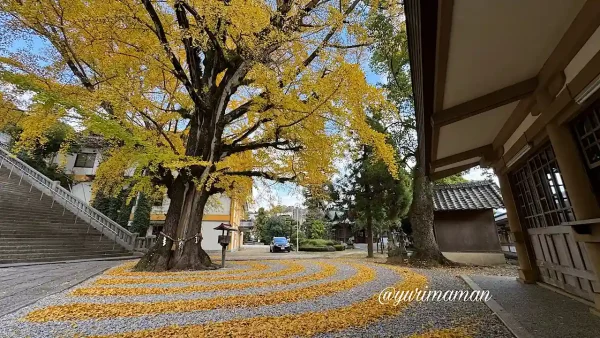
(62, 196)
(144, 244)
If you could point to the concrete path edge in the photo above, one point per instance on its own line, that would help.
(509, 321)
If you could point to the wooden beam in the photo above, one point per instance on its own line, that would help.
(445, 173)
(514, 121)
(551, 77)
(486, 102)
(434, 142)
(444, 27)
(581, 29)
(465, 155)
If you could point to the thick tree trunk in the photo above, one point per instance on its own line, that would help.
(183, 221)
(421, 220)
(191, 256)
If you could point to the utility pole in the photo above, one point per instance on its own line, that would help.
(297, 228)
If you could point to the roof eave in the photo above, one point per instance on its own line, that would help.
(421, 26)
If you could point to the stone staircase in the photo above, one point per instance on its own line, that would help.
(36, 228)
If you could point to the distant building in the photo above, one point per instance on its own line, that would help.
(507, 238)
(464, 222)
(4, 140)
(220, 209)
(298, 214)
(342, 227)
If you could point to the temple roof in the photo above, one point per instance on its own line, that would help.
(477, 195)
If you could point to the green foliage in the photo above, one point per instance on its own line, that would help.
(311, 248)
(317, 229)
(456, 178)
(370, 190)
(301, 237)
(339, 247)
(259, 223)
(141, 216)
(41, 153)
(276, 226)
(318, 242)
(114, 207)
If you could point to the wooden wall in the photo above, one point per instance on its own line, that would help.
(466, 231)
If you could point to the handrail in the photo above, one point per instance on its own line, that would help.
(143, 244)
(82, 210)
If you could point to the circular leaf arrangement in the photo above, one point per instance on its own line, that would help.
(282, 298)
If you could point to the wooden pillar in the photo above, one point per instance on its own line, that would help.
(578, 186)
(527, 271)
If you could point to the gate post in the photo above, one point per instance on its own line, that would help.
(578, 186)
(527, 271)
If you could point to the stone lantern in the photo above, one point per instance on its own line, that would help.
(224, 239)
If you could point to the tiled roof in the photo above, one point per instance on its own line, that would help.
(475, 195)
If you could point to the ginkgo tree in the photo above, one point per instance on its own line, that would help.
(200, 96)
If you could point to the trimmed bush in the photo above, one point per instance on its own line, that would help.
(339, 247)
(317, 242)
(311, 248)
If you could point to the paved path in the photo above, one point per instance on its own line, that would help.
(261, 252)
(21, 286)
(543, 313)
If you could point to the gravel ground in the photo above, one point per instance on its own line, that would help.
(310, 269)
(10, 326)
(424, 316)
(416, 318)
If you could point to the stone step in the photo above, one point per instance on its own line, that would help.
(30, 259)
(65, 235)
(52, 250)
(33, 228)
(55, 244)
(88, 245)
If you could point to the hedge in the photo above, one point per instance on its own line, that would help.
(313, 248)
(317, 242)
(339, 247)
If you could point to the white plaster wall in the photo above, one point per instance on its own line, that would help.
(218, 204)
(83, 190)
(69, 162)
(4, 138)
(210, 235)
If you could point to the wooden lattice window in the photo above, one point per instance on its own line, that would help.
(540, 193)
(587, 128)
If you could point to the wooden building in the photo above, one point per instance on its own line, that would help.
(464, 222)
(506, 237)
(341, 227)
(513, 85)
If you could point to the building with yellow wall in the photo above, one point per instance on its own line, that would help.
(220, 209)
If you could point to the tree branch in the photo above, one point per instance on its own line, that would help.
(162, 37)
(325, 41)
(252, 173)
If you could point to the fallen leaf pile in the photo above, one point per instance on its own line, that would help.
(79, 311)
(327, 270)
(304, 324)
